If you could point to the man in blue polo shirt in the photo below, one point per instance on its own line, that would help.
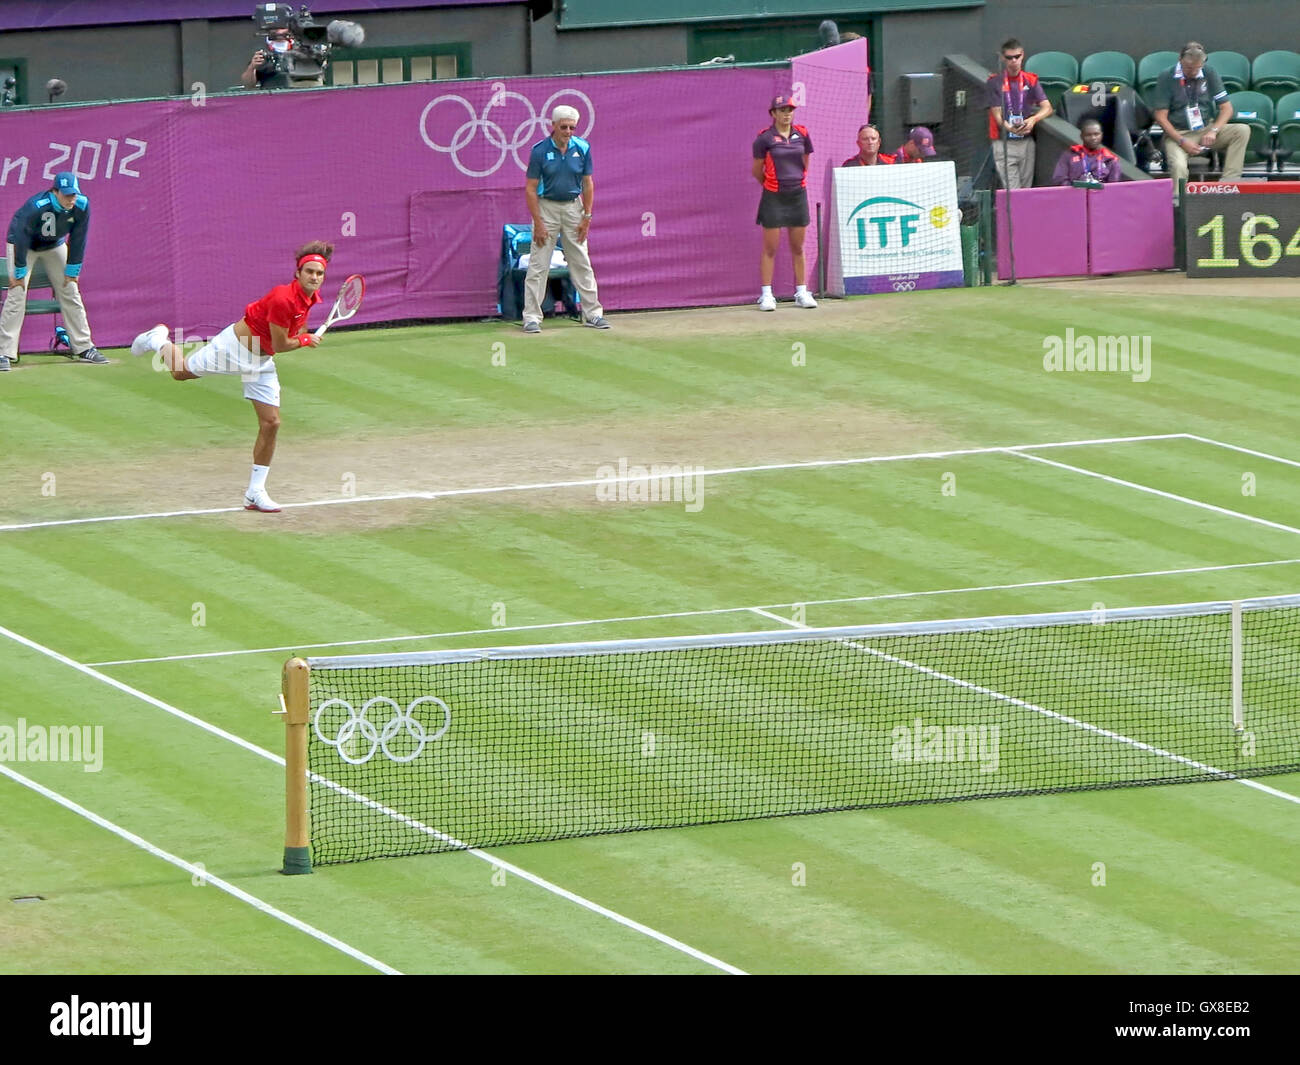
(50, 228)
(560, 194)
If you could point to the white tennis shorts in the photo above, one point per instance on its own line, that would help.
(226, 354)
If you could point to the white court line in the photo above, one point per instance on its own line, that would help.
(593, 481)
(406, 638)
(1063, 718)
(1163, 494)
(762, 612)
(200, 873)
(1243, 450)
(482, 855)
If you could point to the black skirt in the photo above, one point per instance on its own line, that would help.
(783, 210)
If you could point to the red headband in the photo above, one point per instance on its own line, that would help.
(313, 259)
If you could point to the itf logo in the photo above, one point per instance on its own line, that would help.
(886, 223)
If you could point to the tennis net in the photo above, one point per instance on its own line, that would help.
(431, 751)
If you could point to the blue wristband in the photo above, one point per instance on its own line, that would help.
(72, 270)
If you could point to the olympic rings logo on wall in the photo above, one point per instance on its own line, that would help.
(527, 131)
(402, 737)
(904, 286)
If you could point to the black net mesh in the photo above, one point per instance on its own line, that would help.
(410, 758)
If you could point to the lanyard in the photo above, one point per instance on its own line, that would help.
(1014, 107)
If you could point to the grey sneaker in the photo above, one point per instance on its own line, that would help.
(91, 355)
(596, 323)
(4, 363)
(532, 327)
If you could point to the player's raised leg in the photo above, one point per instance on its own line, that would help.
(171, 355)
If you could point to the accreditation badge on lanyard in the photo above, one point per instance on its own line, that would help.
(1015, 105)
(1194, 119)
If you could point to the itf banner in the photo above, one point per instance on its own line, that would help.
(894, 229)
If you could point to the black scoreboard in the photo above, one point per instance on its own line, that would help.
(1242, 228)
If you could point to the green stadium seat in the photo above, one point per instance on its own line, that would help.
(1057, 72)
(1152, 66)
(1287, 117)
(1108, 66)
(1232, 67)
(1255, 110)
(1276, 74)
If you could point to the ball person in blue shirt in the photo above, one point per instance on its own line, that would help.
(560, 193)
(51, 229)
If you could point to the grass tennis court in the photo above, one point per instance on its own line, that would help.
(441, 459)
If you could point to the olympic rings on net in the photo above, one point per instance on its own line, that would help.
(525, 135)
(358, 725)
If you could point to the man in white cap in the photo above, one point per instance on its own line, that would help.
(560, 194)
(51, 229)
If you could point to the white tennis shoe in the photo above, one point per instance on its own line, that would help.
(767, 303)
(261, 502)
(805, 300)
(144, 343)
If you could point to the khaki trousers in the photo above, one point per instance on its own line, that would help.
(560, 218)
(66, 292)
(1230, 143)
(1017, 171)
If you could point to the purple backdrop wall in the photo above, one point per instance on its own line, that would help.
(40, 14)
(196, 209)
(837, 101)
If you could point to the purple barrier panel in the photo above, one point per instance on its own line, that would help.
(1051, 232)
(446, 229)
(195, 212)
(1131, 227)
(837, 100)
(120, 154)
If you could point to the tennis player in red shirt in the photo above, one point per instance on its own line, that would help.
(273, 325)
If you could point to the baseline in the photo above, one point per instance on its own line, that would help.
(588, 482)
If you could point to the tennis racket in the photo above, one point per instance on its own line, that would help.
(348, 303)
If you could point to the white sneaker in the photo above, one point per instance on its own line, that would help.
(261, 501)
(767, 303)
(144, 343)
(805, 300)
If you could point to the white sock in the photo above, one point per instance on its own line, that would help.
(799, 290)
(257, 482)
(767, 290)
(156, 343)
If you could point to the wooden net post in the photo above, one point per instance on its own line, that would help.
(296, 700)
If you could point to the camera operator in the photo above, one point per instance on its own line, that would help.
(269, 67)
